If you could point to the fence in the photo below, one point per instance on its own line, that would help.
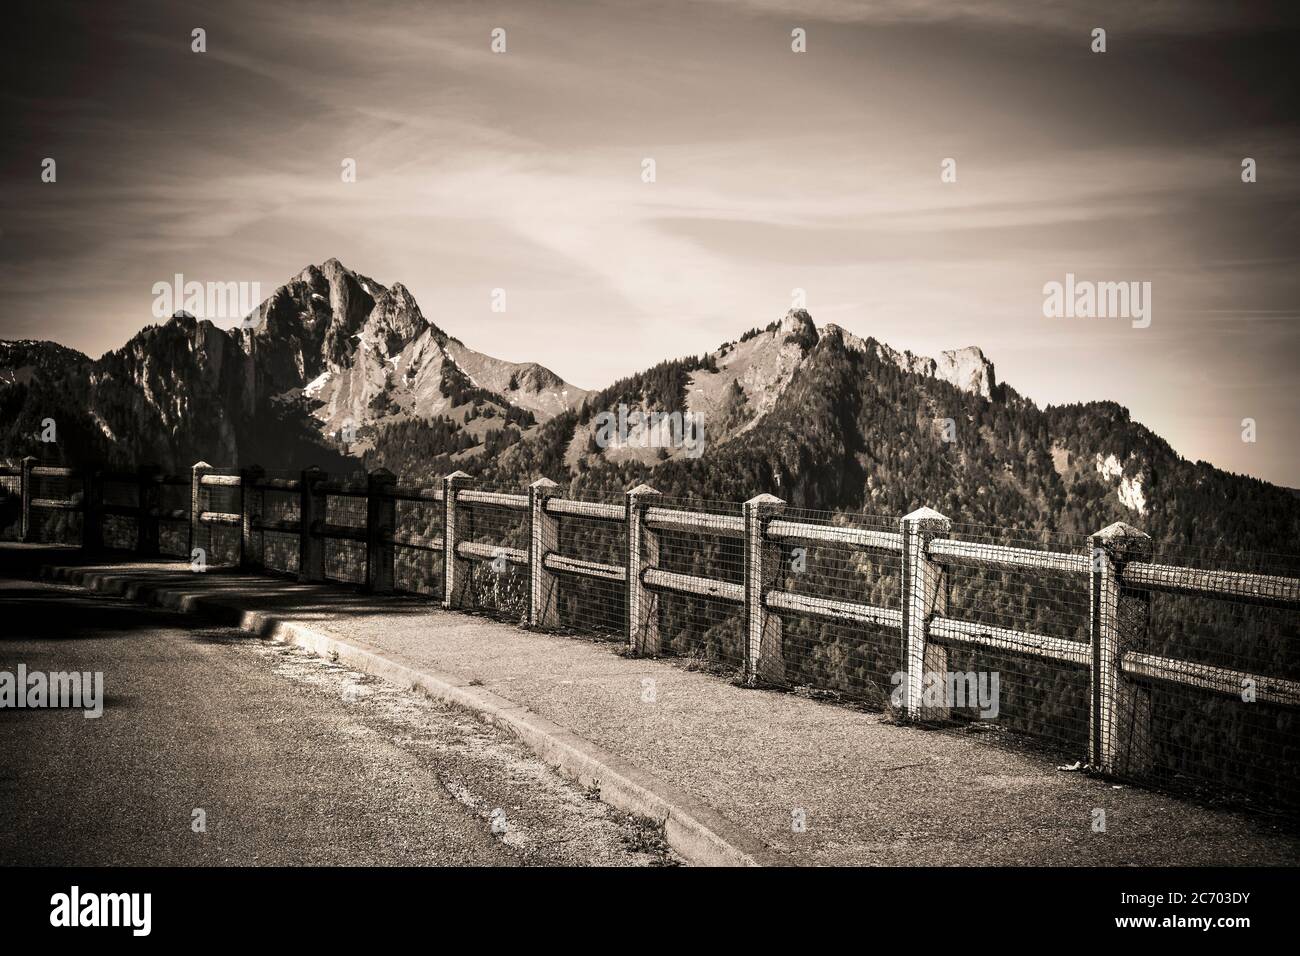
(922, 603)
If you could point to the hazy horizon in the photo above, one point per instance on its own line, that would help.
(775, 170)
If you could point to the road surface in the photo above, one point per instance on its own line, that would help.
(218, 748)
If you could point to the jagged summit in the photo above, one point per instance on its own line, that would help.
(329, 348)
(798, 322)
(742, 381)
(395, 320)
(366, 355)
(967, 368)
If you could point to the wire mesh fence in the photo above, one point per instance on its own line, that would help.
(1030, 637)
(493, 542)
(345, 517)
(1217, 679)
(120, 531)
(276, 503)
(824, 559)
(418, 550)
(174, 516)
(50, 523)
(588, 604)
(704, 542)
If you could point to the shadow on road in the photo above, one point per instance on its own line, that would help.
(263, 593)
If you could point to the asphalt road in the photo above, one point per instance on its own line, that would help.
(291, 759)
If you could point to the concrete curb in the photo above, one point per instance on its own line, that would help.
(695, 831)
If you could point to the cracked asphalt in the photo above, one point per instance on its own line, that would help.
(218, 748)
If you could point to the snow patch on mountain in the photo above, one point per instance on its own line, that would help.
(1109, 467)
(103, 426)
(312, 388)
(1131, 495)
(1130, 491)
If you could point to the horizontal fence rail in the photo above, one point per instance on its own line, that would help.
(561, 507)
(1221, 680)
(1230, 585)
(693, 584)
(833, 610)
(1114, 574)
(948, 630)
(670, 519)
(863, 538)
(1001, 557)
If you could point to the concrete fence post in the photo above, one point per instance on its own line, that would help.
(251, 506)
(456, 570)
(92, 509)
(642, 553)
(29, 530)
(543, 537)
(197, 472)
(1120, 711)
(381, 525)
(764, 640)
(311, 512)
(148, 499)
(924, 593)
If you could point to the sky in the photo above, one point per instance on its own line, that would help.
(775, 170)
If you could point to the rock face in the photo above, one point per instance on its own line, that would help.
(526, 384)
(394, 365)
(966, 368)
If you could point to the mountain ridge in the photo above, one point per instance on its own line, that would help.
(337, 369)
(332, 354)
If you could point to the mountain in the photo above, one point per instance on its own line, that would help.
(830, 421)
(324, 365)
(337, 369)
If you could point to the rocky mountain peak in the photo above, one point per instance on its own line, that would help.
(798, 322)
(395, 320)
(968, 369)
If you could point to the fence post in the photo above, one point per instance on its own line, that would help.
(148, 498)
(455, 569)
(1120, 712)
(764, 650)
(92, 509)
(543, 537)
(196, 504)
(311, 510)
(381, 524)
(251, 501)
(642, 553)
(29, 532)
(924, 593)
